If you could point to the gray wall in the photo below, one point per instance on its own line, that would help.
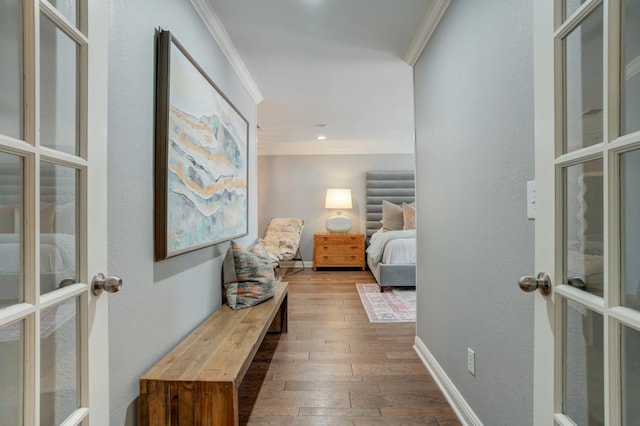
(297, 187)
(474, 154)
(160, 302)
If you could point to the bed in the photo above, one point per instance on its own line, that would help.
(58, 242)
(391, 254)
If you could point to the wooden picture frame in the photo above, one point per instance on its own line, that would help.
(201, 157)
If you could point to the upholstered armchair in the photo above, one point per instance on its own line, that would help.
(282, 241)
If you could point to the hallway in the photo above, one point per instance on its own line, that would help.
(335, 368)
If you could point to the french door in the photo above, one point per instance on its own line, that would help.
(53, 112)
(587, 104)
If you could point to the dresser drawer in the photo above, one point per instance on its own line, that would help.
(338, 250)
(339, 239)
(329, 260)
(351, 250)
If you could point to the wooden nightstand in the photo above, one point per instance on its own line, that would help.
(338, 250)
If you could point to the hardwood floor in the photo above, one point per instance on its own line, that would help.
(336, 368)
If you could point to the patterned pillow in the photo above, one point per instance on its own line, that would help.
(255, 280)
(7, 214)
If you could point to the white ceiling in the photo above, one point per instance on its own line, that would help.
(334, 62)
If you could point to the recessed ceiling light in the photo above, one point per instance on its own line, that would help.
(321, 137)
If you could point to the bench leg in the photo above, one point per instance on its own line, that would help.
(281, 321)
(188, 403)
(284, 315)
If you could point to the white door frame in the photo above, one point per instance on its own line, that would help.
(97, 208)
(92, 323)
(545, 206)
(548, 312)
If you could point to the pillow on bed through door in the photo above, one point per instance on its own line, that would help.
(255, 280)
(391, 216)
(409, 216)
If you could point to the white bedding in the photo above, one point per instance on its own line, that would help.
(400, 251)
(57, 253)
(397, 247)
(57, 262)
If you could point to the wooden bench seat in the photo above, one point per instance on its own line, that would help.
(197, 382)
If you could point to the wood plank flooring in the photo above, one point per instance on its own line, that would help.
(335, 368)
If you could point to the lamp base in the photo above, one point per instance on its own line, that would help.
(339, 224)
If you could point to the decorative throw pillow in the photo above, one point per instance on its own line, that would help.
(7, 219)
(65, 218)
(391, 216)
(255, 280)
(47, 216)
(409, 216)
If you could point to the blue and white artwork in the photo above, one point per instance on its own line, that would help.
(206, 161)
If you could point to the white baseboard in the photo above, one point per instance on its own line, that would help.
(460, 406)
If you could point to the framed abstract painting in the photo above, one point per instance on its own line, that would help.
(201, 143)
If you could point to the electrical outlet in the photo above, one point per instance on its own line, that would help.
(471, 361)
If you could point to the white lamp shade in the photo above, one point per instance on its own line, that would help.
(338, 199)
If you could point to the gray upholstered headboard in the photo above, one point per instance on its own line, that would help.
(394, 186)
(57, 184)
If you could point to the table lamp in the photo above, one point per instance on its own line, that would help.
(338, 199)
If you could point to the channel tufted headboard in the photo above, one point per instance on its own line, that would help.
(394, 186)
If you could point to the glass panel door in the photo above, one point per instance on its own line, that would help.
(583, 358)
(46, 123)
(11, 232)
(12, 372)
(583, 83)
(630, 67)
(591, 322)
(59, 84)
(11, 69)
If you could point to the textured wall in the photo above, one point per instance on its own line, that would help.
(160, 302)
(474, 154)
(297, 187)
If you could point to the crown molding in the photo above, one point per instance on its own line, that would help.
(219, 33)
(425, 31)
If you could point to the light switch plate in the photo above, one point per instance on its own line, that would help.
(531, 199)
(471, 361)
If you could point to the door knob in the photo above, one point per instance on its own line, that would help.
(110, 284)
(577, 282)
(542, 282)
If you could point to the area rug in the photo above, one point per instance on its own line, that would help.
(396, 305)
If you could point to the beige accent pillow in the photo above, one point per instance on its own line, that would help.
(7, 213)
(65, 218)
(409, 216)
(392, 219)
(48, 220)
(47, 216)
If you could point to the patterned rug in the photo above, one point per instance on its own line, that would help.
(397, 305)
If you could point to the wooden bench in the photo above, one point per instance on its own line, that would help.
(197, 382)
